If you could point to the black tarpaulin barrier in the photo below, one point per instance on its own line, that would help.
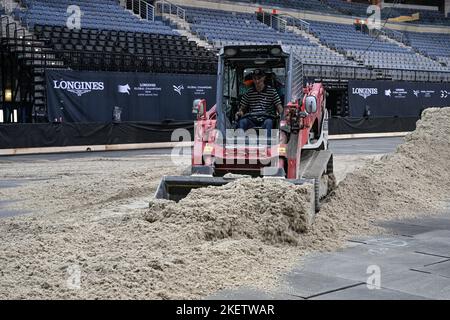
(14, 136)
(371, 125)
(64, 134)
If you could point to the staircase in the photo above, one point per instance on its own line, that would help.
(175, 17)
(9, 5)
(307, 35)
(183, 28)
(29, 57)
(288, 23)
(171, 14)
(386, 38)
(140, 8)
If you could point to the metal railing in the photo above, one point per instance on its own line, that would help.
(274, 21)
(26, 51)
(8, 5)
(396, 35)
(296, 22)
(392, 34)
(283, 22)
(278, 23)
(10, 30)
(166, 8)
(141, 8)
(4, 21)
(344, 73)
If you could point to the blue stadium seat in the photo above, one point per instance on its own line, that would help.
(99, 14)
(370, 50)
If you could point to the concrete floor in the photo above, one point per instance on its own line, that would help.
(412, 263)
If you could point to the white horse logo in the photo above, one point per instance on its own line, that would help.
(178, 89)
(124, 89)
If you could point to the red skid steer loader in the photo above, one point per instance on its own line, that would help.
(297, 150)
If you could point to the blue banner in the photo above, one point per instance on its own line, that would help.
(395, 98)
(84, 96)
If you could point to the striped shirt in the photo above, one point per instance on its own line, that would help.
(265, 101)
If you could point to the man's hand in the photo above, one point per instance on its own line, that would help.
(280, 110)
(239, 114)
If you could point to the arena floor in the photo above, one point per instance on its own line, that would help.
(64, 211)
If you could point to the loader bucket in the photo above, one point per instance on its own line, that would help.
(176, 188)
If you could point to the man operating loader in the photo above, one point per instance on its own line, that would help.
(261, 103)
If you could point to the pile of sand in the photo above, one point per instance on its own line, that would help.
(244, 234)
(272, 211)
(414, 179)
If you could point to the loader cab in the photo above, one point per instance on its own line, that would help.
(236, 66)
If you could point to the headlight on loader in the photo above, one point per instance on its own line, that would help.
(208, 149)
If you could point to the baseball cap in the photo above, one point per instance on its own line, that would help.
(258, 73)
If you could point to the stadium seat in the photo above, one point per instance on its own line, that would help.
(127, 35)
